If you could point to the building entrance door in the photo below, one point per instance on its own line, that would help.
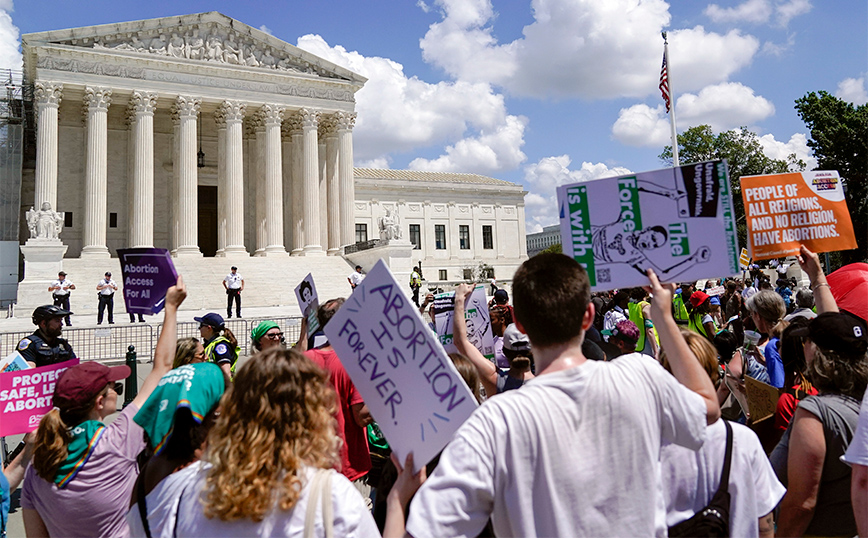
(208, 220)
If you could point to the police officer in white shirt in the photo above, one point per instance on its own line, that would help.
(234, 285)
(106, 296)
(60, 289)
(356, 277)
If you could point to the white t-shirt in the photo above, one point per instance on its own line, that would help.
(691, 479)
(857, 452)
(571, 453)
(109, 288)
(351, 516)
(63, 285)
(162, 504)
(356, 278)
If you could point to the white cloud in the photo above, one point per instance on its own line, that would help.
(759, 11)
(380, 162)
(544, 176)
(10, 57)
(853, 91)
(266, 29)
(397, 113)
(798, 144)
(723, 106)
(778, 49)
(754, 11)
(581, 48)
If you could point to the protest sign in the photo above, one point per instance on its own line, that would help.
(403, 373)
(13, 362)
(784, 211)
(148, 273)
(762, 399)
(715, 291)
(677, 221)
(476, 317)
(26, 395)
(308, 302)
(744, 259)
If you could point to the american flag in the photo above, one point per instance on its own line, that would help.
(664, 83)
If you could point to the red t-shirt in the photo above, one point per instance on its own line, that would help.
(786, 408)
(355, 458)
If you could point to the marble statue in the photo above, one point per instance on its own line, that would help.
(45, 223)
(390, 226)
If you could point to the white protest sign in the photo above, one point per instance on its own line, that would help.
(308, 302)
(677, 221)
(403, 373)
(476, 317)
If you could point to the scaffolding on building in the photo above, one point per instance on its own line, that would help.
(15, 106)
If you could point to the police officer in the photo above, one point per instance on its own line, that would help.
(45, 346)
(221, 346)
(60, 292)
(106, 295)
(234, 284)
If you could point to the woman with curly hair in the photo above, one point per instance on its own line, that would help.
(271, 456)
(807, 459)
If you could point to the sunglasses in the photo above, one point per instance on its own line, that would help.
(118, 387)
(274, 336)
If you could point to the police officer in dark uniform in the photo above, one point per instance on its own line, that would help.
(45, 346)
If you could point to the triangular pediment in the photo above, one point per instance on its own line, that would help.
(205, 37)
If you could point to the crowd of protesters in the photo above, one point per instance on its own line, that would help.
(623, 413)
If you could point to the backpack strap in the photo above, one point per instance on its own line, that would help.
(727, 459)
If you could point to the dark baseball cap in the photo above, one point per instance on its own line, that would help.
(108, 273)
(233, 268)
(61, 273)
(501, 297)
(212, 319)
(80, 384)
(841, 332)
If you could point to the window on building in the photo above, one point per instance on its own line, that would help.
(464, 237)
(113, 220)
(416, 236)
(442, 274)
(487, 237)
(67, 219)
(361, 233)
(468, 274)
(440, 236)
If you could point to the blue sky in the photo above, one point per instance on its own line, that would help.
(541, 92)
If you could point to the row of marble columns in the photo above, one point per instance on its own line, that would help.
(313, 149)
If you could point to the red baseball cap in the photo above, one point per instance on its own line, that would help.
(697, 298)
(82, 383)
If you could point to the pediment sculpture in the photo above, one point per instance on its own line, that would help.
(214, 44)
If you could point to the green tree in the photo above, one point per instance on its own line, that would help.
(744, 157)
(839, 140)
(553, 249)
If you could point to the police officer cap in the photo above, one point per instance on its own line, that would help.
(48, 311)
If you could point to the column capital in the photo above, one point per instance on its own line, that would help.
(47, 93)
(292, 124)
(230, 111)
(185, 106)
(345, 120)
(142, 102)
(309, 118)
(271, 114)
(97, 98)
(328, 126)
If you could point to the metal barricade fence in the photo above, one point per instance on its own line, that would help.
(110, 343)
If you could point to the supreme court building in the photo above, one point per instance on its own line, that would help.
(211, 138)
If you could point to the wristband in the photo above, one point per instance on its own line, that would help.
(820, 285)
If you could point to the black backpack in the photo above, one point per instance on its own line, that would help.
(713, 519)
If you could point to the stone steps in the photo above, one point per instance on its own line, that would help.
(268, 282)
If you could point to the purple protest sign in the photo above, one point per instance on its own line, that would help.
(147, 273)
(26, 395)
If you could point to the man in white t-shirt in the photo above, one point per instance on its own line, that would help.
(574, 451)
(234, 285)
(857, 457)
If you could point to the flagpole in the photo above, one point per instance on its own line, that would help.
(675, 161)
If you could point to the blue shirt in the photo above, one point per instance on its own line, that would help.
(774, 363)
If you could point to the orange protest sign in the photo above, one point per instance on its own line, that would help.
(784, 211)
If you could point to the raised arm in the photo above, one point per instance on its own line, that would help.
(487, 370)
(164, 353)
(684, 364)
(810, 263)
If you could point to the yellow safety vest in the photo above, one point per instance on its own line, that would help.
(696, 324)
(682, 317)
(209, 352)
(636, 316)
